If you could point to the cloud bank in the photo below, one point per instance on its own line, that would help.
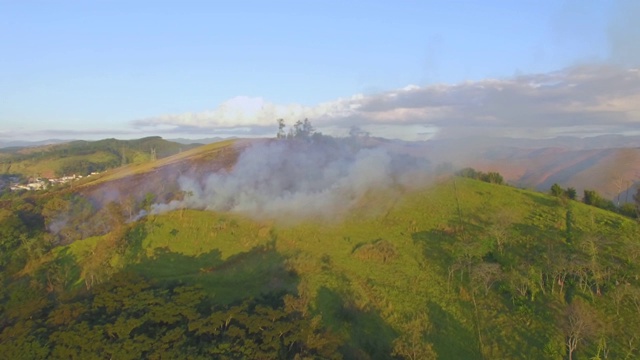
(582, 100)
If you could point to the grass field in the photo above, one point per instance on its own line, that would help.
(397, 259)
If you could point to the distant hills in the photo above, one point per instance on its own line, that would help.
(199, 141)
(613, 172)
(25, 143)
(567, 142)
(609, 164)
(83, 157)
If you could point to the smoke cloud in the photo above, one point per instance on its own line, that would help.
(321, 177)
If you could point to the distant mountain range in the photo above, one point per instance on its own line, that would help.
(569, 142)
(203, 141)
(471, 144)
(609, 164)
(26, 143)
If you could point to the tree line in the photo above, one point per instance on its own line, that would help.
(593, 198)
(490, 177)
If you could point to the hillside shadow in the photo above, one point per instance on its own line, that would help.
(257, 272)
(368, 336)
(536, 232)
(436, 246)
(450, 339)
(61, 274)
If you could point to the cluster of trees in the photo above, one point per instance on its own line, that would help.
(22, 232)
(301, 130)
(130, 317)
(33, 223)
(71, 217)
(45, 314)
(558, 191)
(593, 198)
(490, 177)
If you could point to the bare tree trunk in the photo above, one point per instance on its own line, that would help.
(475, 305)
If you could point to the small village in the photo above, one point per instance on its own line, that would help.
(35, 184)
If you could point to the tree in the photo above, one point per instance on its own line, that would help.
(628, 209)
(494, 178)
(12, 233)
(300, 130)
(81, 212)
(571, 193)
(148, 201)
(486, 274)
(110, 217)
(569, 225)
(281, 126)
(636, 199)
(129, 205)
(500, 228)
(411, 344)
(55, 213)
(591, 197)
(468, 173)
(307, 128)
(490, 177)
(556, 190)
(579, 324)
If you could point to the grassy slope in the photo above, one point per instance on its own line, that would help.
(48, 167)
(199, 153)
(368, 300)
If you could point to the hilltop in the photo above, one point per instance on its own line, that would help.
(451, 268)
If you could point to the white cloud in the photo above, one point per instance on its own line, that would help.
(578, 99)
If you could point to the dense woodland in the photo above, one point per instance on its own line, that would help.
(465, 268)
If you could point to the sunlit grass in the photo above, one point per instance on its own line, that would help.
(232, 256)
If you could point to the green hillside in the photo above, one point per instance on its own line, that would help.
(459, 270)
(83, 157)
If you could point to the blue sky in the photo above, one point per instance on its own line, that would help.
(92, 69)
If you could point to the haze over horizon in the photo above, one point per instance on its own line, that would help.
(406, 70)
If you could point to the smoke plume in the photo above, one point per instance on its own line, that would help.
(319, 177)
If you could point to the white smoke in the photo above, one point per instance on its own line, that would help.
(323, 177)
